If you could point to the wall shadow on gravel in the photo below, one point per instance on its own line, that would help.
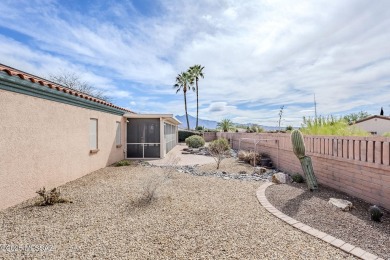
(292, 205)
(324, 192)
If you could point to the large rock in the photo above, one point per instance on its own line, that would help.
(280, 177)
(344, 205)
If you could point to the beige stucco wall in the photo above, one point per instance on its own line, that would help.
(46, 143)
(378, 125)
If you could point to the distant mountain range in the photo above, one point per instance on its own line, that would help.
(201, 122)
(209, 124)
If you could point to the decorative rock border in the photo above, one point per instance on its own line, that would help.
(351, 249)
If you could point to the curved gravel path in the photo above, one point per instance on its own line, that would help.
(192, 217)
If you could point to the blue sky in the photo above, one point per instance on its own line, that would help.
(258, 55)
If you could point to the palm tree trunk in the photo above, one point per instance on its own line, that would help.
(197, 104)
(185, 106)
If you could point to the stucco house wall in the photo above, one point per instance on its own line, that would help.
(374, 124)
(46, 143)
(45, 135)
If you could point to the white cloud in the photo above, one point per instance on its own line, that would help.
(258, 55)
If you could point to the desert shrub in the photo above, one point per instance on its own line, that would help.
(195, 141)
(199, 128)
(170, 166)
(248, 157)
(289, 128)
(122, 163)
(387, 134)
(50, 197)
(242, 155)
(296, 177)
(330, 126)
(148, 192)
(149, 186)
(219, 149)
(185, 134)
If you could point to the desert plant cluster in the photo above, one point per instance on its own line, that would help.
(122, 163)
(50, 197)
(251, 157)
(330, 126)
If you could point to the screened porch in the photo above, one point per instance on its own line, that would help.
(150, 136)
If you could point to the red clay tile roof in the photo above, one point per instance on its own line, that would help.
(43, 82)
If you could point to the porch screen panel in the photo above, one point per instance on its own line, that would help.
(152, 151)
(134, 151)
(170, 137)
(143, 138)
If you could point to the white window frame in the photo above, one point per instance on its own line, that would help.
(93, 135)
(118, 134)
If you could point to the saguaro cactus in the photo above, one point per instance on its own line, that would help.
(307, 167)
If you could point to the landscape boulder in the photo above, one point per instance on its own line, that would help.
(344, 205)
(280, 177)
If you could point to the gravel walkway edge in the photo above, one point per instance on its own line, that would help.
(338, 243)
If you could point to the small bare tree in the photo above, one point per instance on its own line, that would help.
(73, 81)
(151, 184)
(170, 166)
(219, 149)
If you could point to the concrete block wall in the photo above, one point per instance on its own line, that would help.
(359, 166)
(209, 136)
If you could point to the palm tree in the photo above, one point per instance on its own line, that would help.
(196, 71)
(225, 125)
(184, 81)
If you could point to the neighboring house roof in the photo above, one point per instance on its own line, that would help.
(372, 117)
(49, 84)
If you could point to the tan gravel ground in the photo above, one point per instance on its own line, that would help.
(191, 218)
(183, 159)
(312, 208)
(229, 165)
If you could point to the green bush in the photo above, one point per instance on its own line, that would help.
(199, 128)
(297, 178)
(122, 163)
(219, 145)
(195, 141)
(183, 135)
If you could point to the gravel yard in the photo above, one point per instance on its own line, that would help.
(191, 217)
(354, 227)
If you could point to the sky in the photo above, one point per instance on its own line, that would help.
(258, 55)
